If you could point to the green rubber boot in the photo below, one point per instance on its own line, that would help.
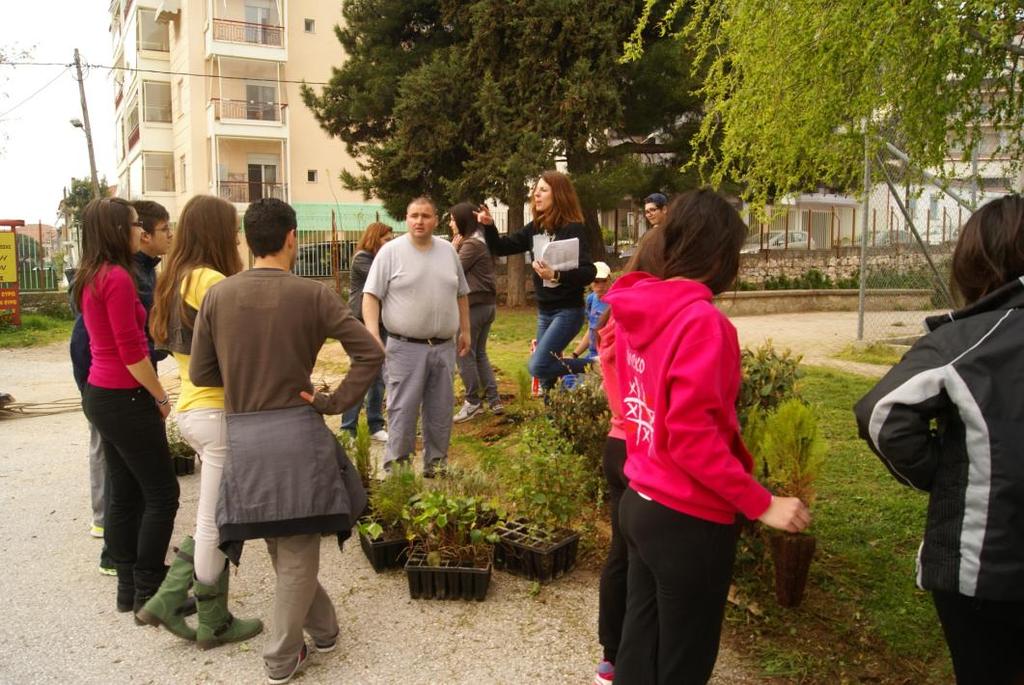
(216, 624)
(168, 606)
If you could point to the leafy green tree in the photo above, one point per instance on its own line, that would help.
(791, 87)
(79, 195)
(482, 95)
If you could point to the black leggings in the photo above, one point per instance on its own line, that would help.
(142, 498)
(612, 599)
(679, 573)
(985, 638)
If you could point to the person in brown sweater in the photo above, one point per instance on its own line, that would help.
(286, 478)
(478, 264)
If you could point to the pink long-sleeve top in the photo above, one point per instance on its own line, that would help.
(116, 321)
(610, 378)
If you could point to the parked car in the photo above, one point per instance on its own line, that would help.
(893, 238)
(318, 260)
(778, 240)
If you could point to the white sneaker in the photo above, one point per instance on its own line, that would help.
(380, 436)
(467, 412)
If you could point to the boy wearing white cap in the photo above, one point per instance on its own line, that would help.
(594, 308)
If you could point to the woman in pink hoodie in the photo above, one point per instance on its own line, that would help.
(678, 363)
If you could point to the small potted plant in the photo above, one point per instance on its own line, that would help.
(182, 454)
(358, 448)
(547, 489)
(793, 451)
(452, 547)
(382, 532)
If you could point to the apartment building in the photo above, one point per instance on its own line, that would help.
(207, 101)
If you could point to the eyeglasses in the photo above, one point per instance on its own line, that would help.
(165, 229)
(137, 224)
(652, 211)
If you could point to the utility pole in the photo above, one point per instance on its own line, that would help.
(86, 128)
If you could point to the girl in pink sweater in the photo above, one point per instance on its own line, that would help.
(678, 364)
(125, 401)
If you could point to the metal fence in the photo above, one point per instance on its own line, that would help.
(36, 271)
(906, 273)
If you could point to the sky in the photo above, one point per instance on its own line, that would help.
(39, 149)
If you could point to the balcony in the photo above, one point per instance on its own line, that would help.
(251, 191)
(133, 137)
(232, 31)
(246, 110)
(118, 96)
(246, 39)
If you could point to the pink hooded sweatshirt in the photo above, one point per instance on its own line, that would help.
(678, 362)
(610, 378)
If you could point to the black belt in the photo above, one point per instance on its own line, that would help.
(420, 341)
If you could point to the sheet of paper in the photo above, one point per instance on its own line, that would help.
(561, 255)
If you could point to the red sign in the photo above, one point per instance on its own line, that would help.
(9, 303)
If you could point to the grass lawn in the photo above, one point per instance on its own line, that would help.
(36, 329)
(875, 353)
(862, 617)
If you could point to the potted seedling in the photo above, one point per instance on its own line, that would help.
(383, 531)
(452, 547)
(793, 451)
(358, 448)
(182, 455)
(547, 490)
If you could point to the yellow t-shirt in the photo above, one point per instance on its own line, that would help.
(193, 289)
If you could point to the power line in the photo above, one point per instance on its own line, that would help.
(45, 86)
(166, 72)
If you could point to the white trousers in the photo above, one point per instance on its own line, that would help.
(206, 431)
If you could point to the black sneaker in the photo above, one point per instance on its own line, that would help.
(435, 469)
(401, 462)
(300, 662)
(325, 646)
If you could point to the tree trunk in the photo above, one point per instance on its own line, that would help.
(595, 240)
(516, 263)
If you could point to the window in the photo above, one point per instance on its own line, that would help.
(310, 26)
(156, 101)
(181, 167)
(311, 176)
(157, 172)
(181, 97)
(152, 35)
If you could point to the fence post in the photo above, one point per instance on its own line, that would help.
(335, 252)
(862, 286)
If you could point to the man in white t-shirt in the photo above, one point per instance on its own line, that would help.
(417, 285)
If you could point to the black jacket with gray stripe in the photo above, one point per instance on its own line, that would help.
(949, 420)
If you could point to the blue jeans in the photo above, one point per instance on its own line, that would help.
(555, 329)
(374, 401)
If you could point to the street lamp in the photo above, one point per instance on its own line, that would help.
(77, 123)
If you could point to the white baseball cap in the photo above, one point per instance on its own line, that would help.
(603, 271)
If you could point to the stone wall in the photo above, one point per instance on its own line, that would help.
(760, 302)
(51, 304)
(836, 264)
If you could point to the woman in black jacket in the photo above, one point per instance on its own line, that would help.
(949, 420)
(560, 314)
(373, 238)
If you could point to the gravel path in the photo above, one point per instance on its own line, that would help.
(59, 622)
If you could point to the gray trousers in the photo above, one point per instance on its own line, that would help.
(420, 376)
(299, 602)
(475, 368)
(97, 475)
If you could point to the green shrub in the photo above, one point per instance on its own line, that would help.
(389, 499)
(793, 450)
(175, 442)
(769, 378)
(549, 484)
(451, 528)
(358, 449)
(582, 417)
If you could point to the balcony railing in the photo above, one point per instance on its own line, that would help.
(133, 137)
(248, 110)
(251, 191)
(118, 96)
(246, 32)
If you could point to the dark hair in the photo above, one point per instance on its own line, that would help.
(650, 254)
(373, 237)
(422, 200)
(106, 239)
(150, 214)
(990, 251)
(657, 199)
(206, 236)
(702, 235)
(565, 204)
(464, 214)
(267, 223)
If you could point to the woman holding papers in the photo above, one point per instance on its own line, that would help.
(562, 269)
